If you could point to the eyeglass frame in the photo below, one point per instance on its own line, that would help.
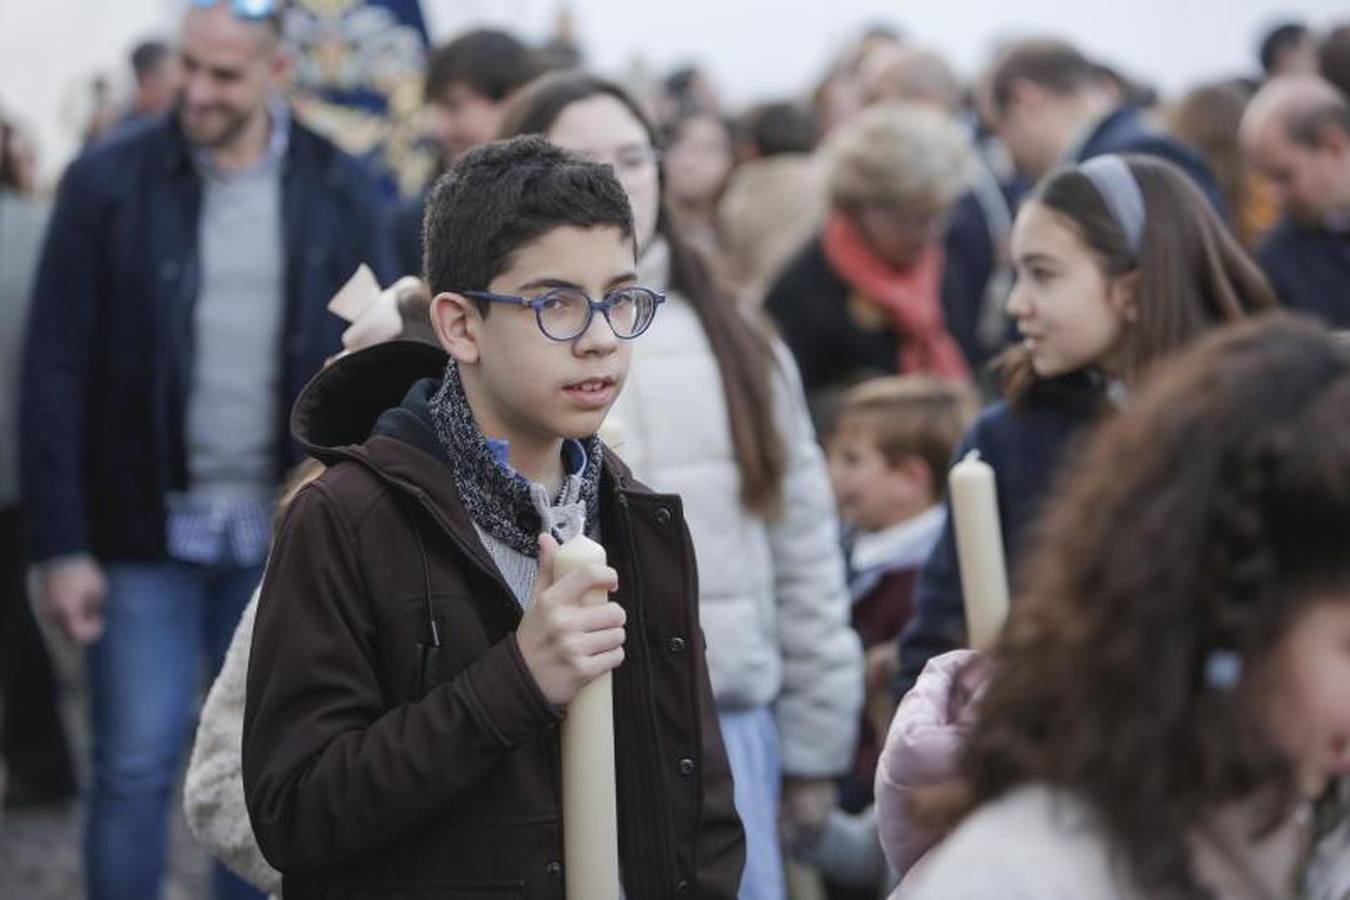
(604, 305)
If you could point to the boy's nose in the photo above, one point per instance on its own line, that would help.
(598, 337)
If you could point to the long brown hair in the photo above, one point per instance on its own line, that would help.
(1205, 518)
(1192, 273)
(743, 352)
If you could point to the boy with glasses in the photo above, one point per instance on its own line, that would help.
(413, 652)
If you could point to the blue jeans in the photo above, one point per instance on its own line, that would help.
(751, 740)
(163, 620)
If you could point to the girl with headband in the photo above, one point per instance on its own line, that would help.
(1120, 261)
(1167, 717)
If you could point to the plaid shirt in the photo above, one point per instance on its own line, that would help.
(224, 529)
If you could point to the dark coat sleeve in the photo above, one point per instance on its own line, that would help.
(374, 237)
(329, 770)
(59, 348)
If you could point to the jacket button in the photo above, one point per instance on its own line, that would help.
(675, 645)
(685, 766)
(168, 270)
(683, 888)
(662, 516)
(554, 868)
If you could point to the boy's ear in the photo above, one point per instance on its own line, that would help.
(456, 321)
(918, 476)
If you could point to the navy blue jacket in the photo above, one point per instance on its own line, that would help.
(1310, 270)
(110, 342)
(1025, 445)
(1125, 131)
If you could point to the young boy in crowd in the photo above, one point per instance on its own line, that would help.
(413, 653)
(889, 451)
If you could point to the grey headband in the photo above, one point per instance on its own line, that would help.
(1112, 178)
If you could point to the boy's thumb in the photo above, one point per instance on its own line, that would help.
(548, 548)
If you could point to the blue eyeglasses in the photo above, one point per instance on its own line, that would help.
(564, 314)
(252, 10)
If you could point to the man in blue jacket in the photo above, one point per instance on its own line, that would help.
(1051, 106)
(1296, 132)
(179, 307)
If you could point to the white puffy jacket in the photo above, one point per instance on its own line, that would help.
(772, 595)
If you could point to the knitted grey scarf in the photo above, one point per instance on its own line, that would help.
(503, 502)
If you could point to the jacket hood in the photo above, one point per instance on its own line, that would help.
(342, 403)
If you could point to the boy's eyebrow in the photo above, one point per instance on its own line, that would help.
(1030, 258)
(547, 282)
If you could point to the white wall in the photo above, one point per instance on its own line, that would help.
(754, 48)
(50, 49)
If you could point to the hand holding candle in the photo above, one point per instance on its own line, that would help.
(979, 547)
(590, 800)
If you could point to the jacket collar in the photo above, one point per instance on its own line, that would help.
(341, 415)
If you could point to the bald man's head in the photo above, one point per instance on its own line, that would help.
(1296, 132)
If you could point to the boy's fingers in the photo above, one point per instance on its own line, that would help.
(548, 547)
(596, 642)
(601, 663)
(573, 586)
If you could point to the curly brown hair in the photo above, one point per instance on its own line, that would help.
(1193, 274)
(1205, 517)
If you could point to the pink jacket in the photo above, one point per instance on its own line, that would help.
(922, 747)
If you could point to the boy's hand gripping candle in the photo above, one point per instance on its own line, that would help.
(979, 547)
(590, 801)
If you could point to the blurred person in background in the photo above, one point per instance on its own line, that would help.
(841, 92)
(36, 755)
(775, 199)
(157, 79)
(468, 82)
(888, 456)
(180, 306)
(1050, 107)
(1333, 57)
(699, 159)
(865, 297)
(978, 275)
(713, 410)
(1288, 48)
(686, 91)
(1208, 118)
(1296, 132)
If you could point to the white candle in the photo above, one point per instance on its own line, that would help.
(979, 547)
(589, 796)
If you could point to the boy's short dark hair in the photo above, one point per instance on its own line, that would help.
(501, 196)
(491, 63)
(910, 415)
(1051, 64)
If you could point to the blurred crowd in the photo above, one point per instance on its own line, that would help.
(862, 285)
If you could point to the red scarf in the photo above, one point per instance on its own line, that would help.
(912, 298)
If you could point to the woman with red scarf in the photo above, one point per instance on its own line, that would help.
(864, 297)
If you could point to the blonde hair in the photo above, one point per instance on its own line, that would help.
(898, 153)
(910, 415)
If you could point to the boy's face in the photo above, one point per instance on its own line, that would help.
(529, 388)
(872, 493)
